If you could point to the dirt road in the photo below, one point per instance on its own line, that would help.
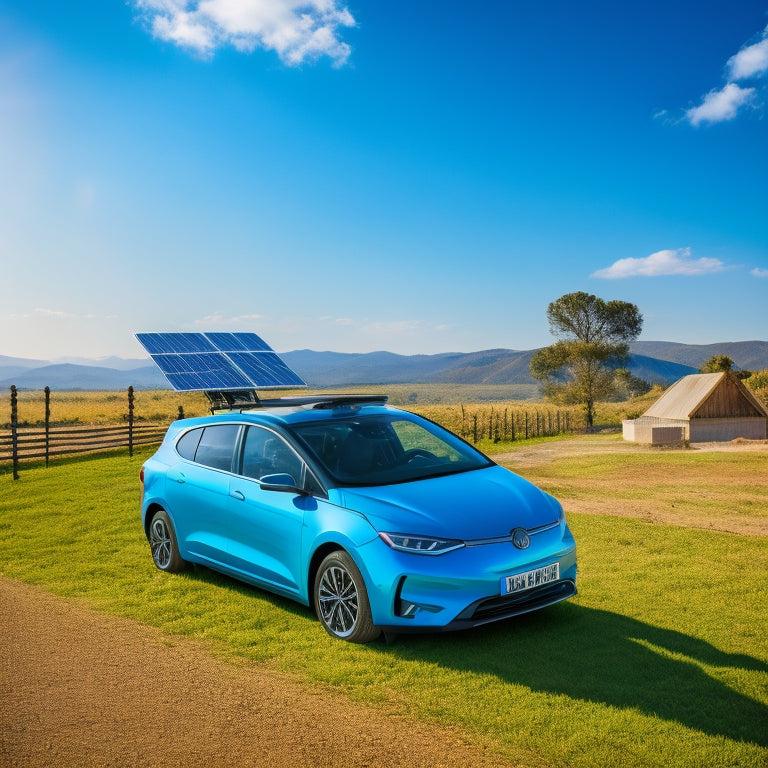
(79, 688)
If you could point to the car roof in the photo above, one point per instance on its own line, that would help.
(298, 409)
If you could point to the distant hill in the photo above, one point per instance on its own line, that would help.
(492, 366)
(658, 362)
(12, 366)
(747, 355)
(68, 376)
(654, 371)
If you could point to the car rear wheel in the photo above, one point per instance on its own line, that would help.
(341, 600)
(162, 542)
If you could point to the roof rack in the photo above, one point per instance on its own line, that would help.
(248, 399)
(339, 401)
(232, 399)
(219, 404)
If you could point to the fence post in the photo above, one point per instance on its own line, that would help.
(14, 433)
(130, 421)
(47, 423)
(181, 411)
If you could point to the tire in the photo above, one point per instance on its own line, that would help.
(162, 542)
(341, 600)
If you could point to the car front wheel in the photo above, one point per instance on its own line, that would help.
(341, 600)
(162, 542)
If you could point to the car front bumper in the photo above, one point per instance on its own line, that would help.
(465, 587)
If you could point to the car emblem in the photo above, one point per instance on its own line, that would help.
(520, 538)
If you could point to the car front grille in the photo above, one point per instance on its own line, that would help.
(513, 605)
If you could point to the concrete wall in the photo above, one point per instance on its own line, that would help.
(659, 431)
(723, 430)
(657, 434)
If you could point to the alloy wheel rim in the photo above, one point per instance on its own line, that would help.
(160, 543)
(337, 596)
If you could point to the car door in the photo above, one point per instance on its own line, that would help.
(197, 489)
(267, 524)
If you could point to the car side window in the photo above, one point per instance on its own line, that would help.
(265, 453)
(188, 443)
(217, 445)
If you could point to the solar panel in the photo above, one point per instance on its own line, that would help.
(169, 343)
(238, 342)
(266, 366)
(218, 362)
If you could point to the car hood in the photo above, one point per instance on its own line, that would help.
(483, 503)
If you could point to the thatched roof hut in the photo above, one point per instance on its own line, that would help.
(702, 407)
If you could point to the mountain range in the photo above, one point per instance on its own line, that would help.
(658, 362)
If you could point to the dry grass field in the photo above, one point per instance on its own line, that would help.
(444, 403)
(711, 486)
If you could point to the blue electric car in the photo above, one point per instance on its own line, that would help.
(378, 519)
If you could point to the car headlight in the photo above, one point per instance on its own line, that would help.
(420, 545)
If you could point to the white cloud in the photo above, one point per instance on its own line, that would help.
(721, 105)
(758, 272)
(219, 320)
(668, 262)
(750, 61)
(57, 314)
(297, 30)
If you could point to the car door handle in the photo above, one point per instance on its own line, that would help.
(239, 495)
(181, 479)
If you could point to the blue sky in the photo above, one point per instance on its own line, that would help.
(418, 177)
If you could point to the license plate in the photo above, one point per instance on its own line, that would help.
(536, 578)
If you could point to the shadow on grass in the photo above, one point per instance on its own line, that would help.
(585, 654)
(606, 658)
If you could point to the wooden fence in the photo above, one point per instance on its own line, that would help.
(38, 443)
(19, 443)
(516, 424)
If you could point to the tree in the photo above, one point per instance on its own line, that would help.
(594, 338)
(627, 385)
(717, 363)
(720, 363)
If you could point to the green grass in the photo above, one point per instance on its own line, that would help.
(661, 660)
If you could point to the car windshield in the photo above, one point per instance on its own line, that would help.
(384, 449)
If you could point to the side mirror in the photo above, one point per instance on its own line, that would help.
(280, 482)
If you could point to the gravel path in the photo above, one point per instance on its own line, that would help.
(79, 688)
